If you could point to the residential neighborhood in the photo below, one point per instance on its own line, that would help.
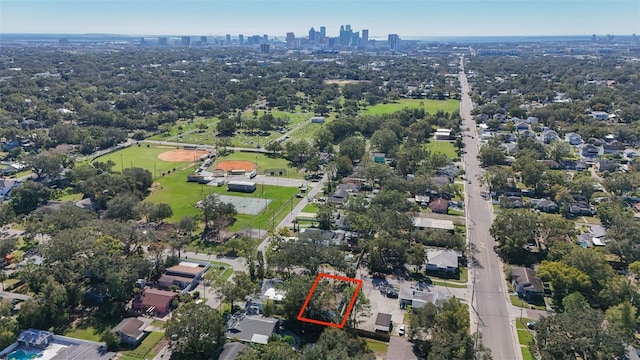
(424, 201)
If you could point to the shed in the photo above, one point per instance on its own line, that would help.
(383, 322)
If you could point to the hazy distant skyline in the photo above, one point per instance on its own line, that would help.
(408, 18)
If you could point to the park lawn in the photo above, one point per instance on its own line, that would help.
(308, 130)
(142, 157)
(185, 127)
(182, 197)
(145, 349)
(264, 162)
(310, 208)
(378, 347)
(445, 147)
(430, 106)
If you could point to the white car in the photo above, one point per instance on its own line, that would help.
(401, 330)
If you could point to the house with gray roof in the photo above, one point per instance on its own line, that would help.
(419, 298)
(251, 328)
(442, 260)
(526, 284)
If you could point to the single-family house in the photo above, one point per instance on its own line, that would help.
(166, 282)
(419, 298)
(521, 126)
(441, 180)
(325, 157)
(573, 138)
(551, 164)
(154, 301)
(499, 116)
(338, 197)
(326, 237)
(350, 188)
(440, 206)
(231, 351)
(383, 323)
(581, 165)
(511, 201)
(481, 118)
(251, 328)
(6, 185)
(318, 120)
(613, 147)
(510, 148)
(607, 165)
(581, 208)
(269, 290)
(546, 205)
(589, 150)
(532, 120)
(423, 223)
(442, 260)
(379, 158)
(132, 330)
(549, 136)
(599, 115)
(186, 269)
(526, 284)
(10, 168)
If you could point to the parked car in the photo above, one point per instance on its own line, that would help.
(401, 330)
(532, 325)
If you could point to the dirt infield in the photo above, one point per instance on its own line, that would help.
(236, 165)
(181, 155)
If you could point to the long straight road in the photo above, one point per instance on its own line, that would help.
(490, 298)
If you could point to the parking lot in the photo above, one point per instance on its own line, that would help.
(381, 303)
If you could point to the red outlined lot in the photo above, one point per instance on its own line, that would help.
(349, 307)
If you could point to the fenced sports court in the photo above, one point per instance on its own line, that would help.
(246, 205)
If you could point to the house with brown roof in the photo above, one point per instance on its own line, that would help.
(154, 301)
(132, 330)
(440, 206)
(186, 270)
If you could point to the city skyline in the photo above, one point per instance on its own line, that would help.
(276, 18)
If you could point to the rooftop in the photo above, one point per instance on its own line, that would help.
(251, 328)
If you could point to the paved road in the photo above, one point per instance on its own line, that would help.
(490, 294)
(314, 189)
(11, 296)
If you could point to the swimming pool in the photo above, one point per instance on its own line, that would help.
(23, 355)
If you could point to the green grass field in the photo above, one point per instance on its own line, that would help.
(310, 208)
(142, 157)
(309, 129)
(431, 106)
(264, 162)
(199, 128)
(526, 354)
(378, 347)
(182, 197)
(445, 147)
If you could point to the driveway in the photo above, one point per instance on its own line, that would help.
(381, 304)
(400, 348)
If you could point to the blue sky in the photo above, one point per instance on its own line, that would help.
(276, 17)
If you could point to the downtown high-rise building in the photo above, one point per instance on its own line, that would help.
(394, 41)
(364, 41)
(227, 39)
(323, 32)
(240, 39)
(312, 34)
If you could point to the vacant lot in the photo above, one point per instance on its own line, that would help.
(431, 106)
(445, 147)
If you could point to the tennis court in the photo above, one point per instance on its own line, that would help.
(246, 205)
